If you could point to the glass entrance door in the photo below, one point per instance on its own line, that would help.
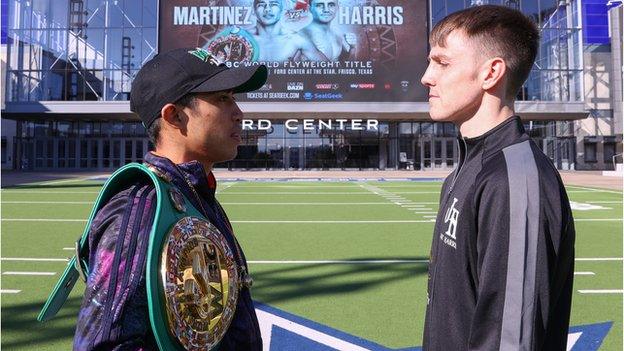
(432, 152)
(134, 149)
(90, 153)
(561, 151)
(65, 153)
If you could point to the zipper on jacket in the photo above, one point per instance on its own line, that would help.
(462, 160)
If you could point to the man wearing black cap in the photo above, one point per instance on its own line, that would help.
(185, 99)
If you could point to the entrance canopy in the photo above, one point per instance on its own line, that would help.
(414, 111)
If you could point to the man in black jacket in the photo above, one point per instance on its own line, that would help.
(502, 257)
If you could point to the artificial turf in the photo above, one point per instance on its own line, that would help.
(282, 222)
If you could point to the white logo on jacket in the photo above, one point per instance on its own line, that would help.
(450, 217)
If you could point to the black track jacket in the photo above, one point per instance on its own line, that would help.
(502, 257)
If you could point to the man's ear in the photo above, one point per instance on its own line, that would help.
(494, 74)
(173, 116)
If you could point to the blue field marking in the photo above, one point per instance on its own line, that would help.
(592, 336)
(290, 332)
(290, 338)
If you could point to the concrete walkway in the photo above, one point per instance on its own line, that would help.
(578, 178)
(592, 179)
(13, 178)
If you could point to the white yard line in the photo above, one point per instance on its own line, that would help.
(225, 186)
(339, 262)
(50, 202)
(353, 186)
(235, 221)
(415, 204)
(584, 273)
(398, 200)
(28, 273)
(54, 182)
(9, 291)
(599, 259)
(603, 202)
(285, 221)
(338, 221)
(603, 291)
(423, 185)
(417, 192)
(294, 193)
(320, 193)
(41, 220)
(28, 259)
(593, 190)
(46, 192)
(598, 219)
(306, 203)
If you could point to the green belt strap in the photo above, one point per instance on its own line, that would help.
(165, 217)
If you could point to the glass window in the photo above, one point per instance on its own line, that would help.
(405, 128)
(57, 49)
(449, 129)
(3, 147)
(438, 129)
(65, 129)
(117, 128)
(384, 129)
(93, 11)
(609, 152)
(531, 9)
(590, 152)
(427, 128)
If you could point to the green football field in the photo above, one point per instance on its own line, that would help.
(349, 255)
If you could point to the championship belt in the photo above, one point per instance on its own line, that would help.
(234, 44)
(193, 278)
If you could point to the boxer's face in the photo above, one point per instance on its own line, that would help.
(323, 11)
(268, 12)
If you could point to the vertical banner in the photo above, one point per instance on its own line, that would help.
(316, 50)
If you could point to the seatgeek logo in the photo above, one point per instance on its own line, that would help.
(322, 96)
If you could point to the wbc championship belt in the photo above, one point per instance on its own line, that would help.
(200, 283)
(193, 278)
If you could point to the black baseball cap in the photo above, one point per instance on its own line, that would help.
(169, 76)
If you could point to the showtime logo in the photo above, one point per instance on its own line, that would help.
(327, 86)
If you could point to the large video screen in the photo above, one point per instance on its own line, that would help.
(316, 50)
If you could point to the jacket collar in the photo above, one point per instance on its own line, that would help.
(204, 184)
(497, 138)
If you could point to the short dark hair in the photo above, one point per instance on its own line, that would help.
(153, 132)
(500, 30)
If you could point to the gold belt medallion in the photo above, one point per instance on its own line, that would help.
(201, 283)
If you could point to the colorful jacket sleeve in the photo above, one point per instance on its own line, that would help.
(114, 313)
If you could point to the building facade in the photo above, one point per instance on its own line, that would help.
(68, 68)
